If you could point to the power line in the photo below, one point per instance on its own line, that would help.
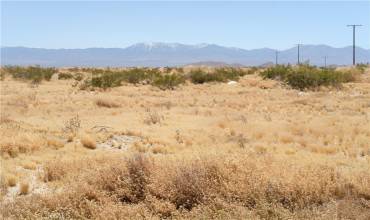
(354, 41)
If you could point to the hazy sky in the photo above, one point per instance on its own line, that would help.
(247, 25)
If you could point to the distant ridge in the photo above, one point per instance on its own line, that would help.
(176, 54)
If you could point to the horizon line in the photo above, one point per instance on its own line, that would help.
(208, 44)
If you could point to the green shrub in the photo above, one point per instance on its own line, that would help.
(218, 75)
(278, 72)
(107, 80)
(134, 76)
(65, 76)
(168, 81)
(229, 73)
(199, 76)
(308, 77)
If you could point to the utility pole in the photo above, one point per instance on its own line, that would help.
(325, 60)
(298, 53)
(354, 41)
(276, 57)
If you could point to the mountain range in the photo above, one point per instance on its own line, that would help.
(175, 54)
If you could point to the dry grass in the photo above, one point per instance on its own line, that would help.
(24, 188)
(29, 165)
(253, 150)
(168, 188)
(55, 143)
(11, 181)
(88, 142)
(104, 102)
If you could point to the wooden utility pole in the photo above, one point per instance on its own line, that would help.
(354, 42)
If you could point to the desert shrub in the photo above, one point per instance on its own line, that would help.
(134, 76)
(139, 173)
(54, 170)
(168, 81)
(86, 84)
(193, 182)
(278, 72)
(2, 74)
(103, 81)
(72, 126)
(78, 76)
(34, 73)
(251, 71)
(65, 76)
(107, 80)
(152, 75)
(361, 67)
(218, 75)
(308, 77)
(153, 117)
(199, 76)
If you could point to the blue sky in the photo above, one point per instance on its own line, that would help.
(248, 25)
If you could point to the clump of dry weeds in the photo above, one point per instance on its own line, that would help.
(107, 103)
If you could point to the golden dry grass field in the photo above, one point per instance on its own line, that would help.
(255, 149)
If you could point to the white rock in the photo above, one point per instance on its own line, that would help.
(231, 83)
